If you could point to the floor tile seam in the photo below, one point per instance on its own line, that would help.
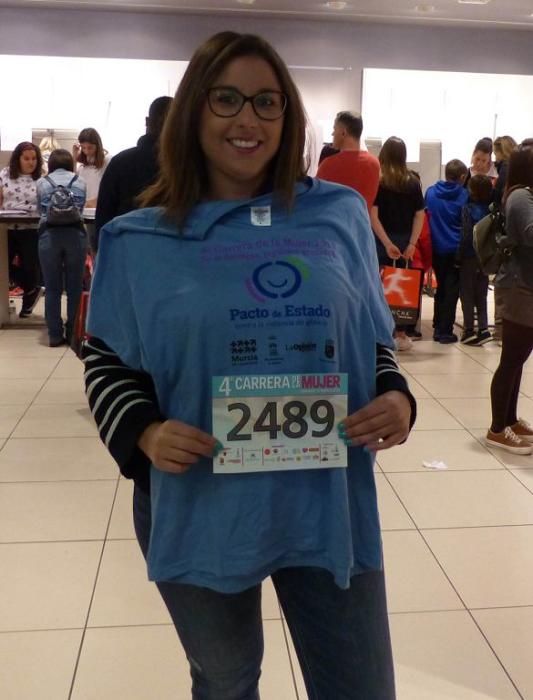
(41, 629)
(31, 404)
(474, 527)
(495, 654)
(57, 481)
(91, 600)
(460, 470)
(84, 540)
(54, 437)
(292, 662)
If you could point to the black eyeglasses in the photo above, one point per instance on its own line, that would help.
(228, 102)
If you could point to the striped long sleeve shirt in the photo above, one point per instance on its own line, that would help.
(124, 403)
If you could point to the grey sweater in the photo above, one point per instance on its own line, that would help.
(517, 271)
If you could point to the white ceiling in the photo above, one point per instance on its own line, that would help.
(515, 14)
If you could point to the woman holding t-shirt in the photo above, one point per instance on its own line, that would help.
(397, 216)
(245, 262)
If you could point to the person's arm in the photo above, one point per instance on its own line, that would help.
(387, 420)
(416, 230)
(392, 251)
(124, 404)
(1, 196)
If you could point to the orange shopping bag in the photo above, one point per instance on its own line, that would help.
(402, 287)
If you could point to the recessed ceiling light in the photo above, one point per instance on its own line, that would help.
(246, 2)
(425, 7)
(336, 5)
(473, 2)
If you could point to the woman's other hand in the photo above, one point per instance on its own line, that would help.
(174, 446)
(381, 424)
(393, 252)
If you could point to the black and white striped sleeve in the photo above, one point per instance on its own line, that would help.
(123, 403)
(389, 377)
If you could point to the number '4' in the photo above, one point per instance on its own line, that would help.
(224, 387)
(267, 421)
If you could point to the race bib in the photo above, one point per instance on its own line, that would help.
(279, 422)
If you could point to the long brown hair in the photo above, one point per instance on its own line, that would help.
(395, 174)
(90, 135)
(520, 171)
(183, 179)
(14, 161)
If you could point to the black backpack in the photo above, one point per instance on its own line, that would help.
(62, 210)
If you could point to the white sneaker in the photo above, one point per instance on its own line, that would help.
(403, 343)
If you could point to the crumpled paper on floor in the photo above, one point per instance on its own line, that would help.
(434, 464)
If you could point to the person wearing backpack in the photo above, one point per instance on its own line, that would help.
(62, 242)
(515, 280)
(473, 283)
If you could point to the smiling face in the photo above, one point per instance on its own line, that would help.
(277, 279)
(239, 149)
(28, 162)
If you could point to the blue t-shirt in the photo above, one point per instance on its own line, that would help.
(305, 283)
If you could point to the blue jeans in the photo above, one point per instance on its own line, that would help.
(62, 254)
(341, 636)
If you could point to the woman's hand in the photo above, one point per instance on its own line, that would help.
(76, 150)
(409, 252)
(381, 424)
(393, 251)
(174, 446)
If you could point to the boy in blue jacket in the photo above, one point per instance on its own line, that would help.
(445, 201)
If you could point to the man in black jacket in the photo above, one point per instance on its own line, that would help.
(130, 171)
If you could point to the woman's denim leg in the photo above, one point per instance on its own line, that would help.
(341, 636)
(75, 247)
(50, 256)
(221, 633)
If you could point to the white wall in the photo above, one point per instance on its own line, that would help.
(349, 47)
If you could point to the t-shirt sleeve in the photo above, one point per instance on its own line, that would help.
(112, 316)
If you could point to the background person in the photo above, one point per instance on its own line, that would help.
(18, 191)
(92, 159)
(131, 171)
(445, 201)
(397, 215)
(232, 176)
(62, 249)
(507, 430)
(351, 166)
(473, 282)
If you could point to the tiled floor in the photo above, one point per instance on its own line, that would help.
(79, 620)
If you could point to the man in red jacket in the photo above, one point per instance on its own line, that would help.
(352, 167)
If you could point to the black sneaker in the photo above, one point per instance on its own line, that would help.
(56, 342)
(481, 338)
(468, 335)
(29, 302)
(447, 338)
(414, 335)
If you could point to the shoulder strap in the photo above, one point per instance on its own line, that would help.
(72, 181)
(54, 184)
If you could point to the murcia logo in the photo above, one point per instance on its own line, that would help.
(277, 280)
(244, 352)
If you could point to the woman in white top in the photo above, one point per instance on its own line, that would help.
(18, 192)
(92, 159)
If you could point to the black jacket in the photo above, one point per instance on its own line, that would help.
(126, 176)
